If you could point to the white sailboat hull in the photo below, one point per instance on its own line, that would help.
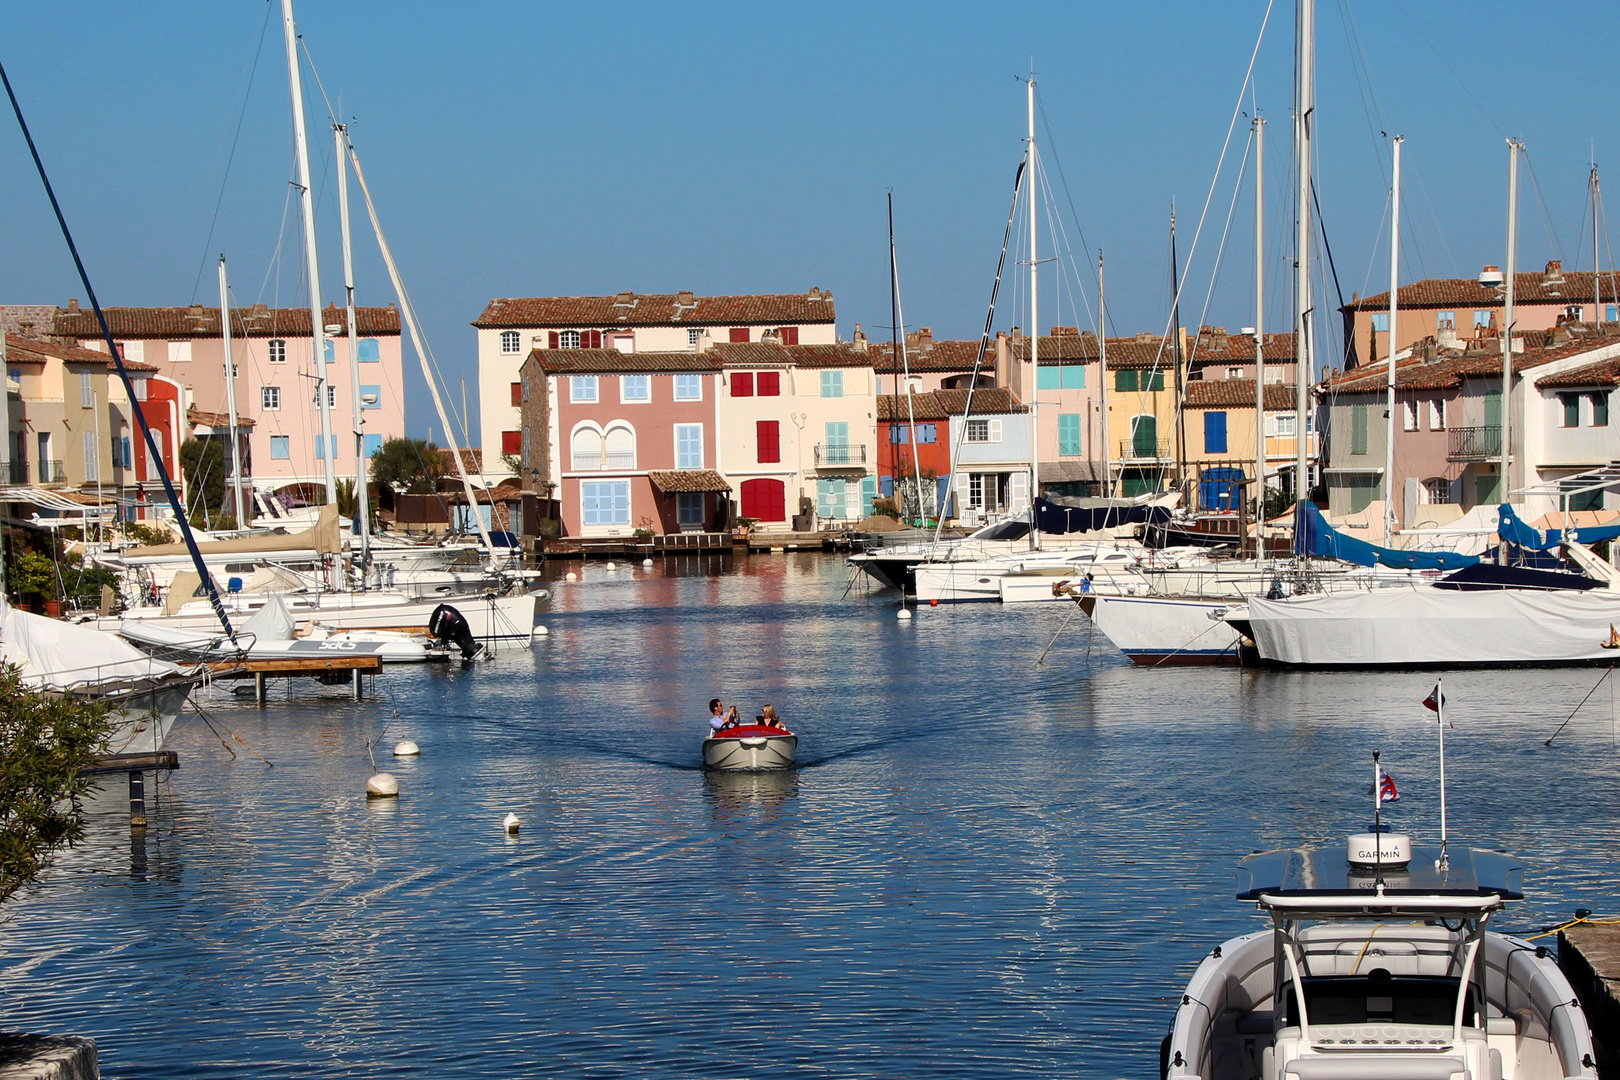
(503, 618)
(1167, 629)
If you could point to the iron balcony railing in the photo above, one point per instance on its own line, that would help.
(836, 456)
(51, 472)
(1144, 449)
(17, 471)
(1475, 443)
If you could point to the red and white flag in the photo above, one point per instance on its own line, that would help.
(1386, 787)
(1434, 700)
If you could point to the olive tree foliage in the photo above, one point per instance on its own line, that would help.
(408, 466)
(45, 742)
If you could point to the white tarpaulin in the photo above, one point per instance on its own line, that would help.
(55, 655)
(1437, 626)
(273, 622)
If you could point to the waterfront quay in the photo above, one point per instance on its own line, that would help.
(983, 867)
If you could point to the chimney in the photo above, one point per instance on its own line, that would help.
(1017, 336)
(771, 337)
(625, 299)
(1004, 351)
(1560, 335)
(195, 310)
(1447, 336)
(685, 298)
(1217, 340)
(925, 338)
(859, 343)
(1555, 270)
(537, 342)
(705, 342)
(73, 306)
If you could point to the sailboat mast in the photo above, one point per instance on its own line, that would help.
(362, 512)
(312, 269)
(1175, 353)
(1259, 341)
(1034, 335)
(1304, 333)
(1102, 379)
(1597, 289)
(1394, 311)
(230, 397)
(1514, 146)
(897, 315)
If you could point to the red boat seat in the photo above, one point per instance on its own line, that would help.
(750, 731)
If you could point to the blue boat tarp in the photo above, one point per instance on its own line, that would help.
(1514, 530)
(1053, 517)
(1322, 540)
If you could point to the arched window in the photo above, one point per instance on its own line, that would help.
(621, 446)
(586, 444)
(1437, 489)
(511, 342)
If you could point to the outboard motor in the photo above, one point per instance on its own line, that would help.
(449, 625)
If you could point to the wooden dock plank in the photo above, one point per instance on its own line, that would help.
(123, 763)
(311, 665)
(1589, 954)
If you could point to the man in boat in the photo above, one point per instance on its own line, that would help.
(719, 718)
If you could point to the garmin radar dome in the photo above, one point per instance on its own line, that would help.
(1369, 851)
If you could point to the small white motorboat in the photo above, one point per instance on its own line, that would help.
(750, 748)
(1378, 965)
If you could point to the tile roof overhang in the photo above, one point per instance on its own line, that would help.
(766, 354)
(687, 481)
(196, 416)
(1238, 394)
(1450, 368)
(614, 362)
(1574, 287)
(570, 312)
(31, 351)
(1602, 373)
(1239, 349)
(203, 322)
(939, 405)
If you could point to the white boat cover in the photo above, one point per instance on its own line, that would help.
(273, 622)
(55, 655)
(1437, 626)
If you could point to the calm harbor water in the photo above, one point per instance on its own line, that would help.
(983, 868)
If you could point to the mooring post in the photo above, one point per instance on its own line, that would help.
(137, 799)
(354, 676)
(259, 687)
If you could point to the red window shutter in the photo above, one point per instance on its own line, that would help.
(554, 339)
(768, 440)
(517, 393)
(770, 384)
(596, 339)
(739, 333)
(511, 442)
(764, 500)
(790, 335)
(742, 384)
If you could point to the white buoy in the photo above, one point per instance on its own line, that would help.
(382, 786)
(646, 562)
(571, 576)
(904, 614)
(512, 823)
(541, 631)
(406, 748)
(610, 567)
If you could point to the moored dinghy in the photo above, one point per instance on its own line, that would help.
(750, 748)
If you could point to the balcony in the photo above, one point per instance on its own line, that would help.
(834, 456)
(17, 472)
(1144, 450)
(613, 460)
(1475, 443)
(51, 472)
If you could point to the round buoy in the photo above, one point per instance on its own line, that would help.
(610, 567)
(541, 631)
(382, 786)
(571, 576)
(406, 748)
(904, 614)
(512, 823)
(934, 602)
(646, 562)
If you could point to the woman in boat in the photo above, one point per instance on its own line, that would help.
(768, 717)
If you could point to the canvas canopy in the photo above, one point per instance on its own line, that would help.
(324, 539)
(55, 655)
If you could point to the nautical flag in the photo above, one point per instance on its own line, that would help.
(1386, 788)
(1434, 700)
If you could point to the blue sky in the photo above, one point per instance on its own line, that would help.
(520, 149)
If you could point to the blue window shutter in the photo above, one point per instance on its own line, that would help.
(1214, 433)
(888, 487)
(369, 353)
(1049, 378)
(868, 493)
(373, 444)
(927, 433)
(1069, 435)
(1074, 376)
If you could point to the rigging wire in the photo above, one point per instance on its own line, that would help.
(1546, 215)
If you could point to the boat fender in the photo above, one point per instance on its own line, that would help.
(449, 625)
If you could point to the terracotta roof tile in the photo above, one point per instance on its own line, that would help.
(1528, 288)
(1237, 394)
(1238, 349)
(1450, 366)
(684, 309)
(29, 350)
(943, 404)
(613, 362)
(196, 416)
(938, 356)
(1602, 373)
(672, 481)
(764, 354)
(203, 322)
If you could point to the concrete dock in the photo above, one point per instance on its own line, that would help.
(1589, 954)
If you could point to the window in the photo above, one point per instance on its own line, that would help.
(1049, 378)
(568, 339)
(588, 449)
(511, 341)
(319, 443)
(927, 433)
(1572, 409)
(1493, 409)
(899, 435)
(742, 384)
(525, 448)
(764, 500)
(373, 444)
(1125, 380)
(1437, 489)
(1380, 322)
(1284, 424)
(620, 443)
(517, 393)
(692, 335)
(1485, 488)
(179, 352)
(235, 370)
(1445, 320)
(978, 431)
(1358, 429)
(1061, 377)
(788, 334)
(136, 350)
(768, 383)
(278, 351)
(1214, 433)
(688, 388)
(604, 502)
(582, 388)
(327, 350)
(1582, 500)
(370, 351)
(832, 384)
(767, 442)
(1609, 313)
(1158, 381)
(140, 388)
(1482, 319)
(511, 442)
(1437, 415)
(280, 447)
(1068, 434)
(739, 334)
(689, 509)
(1600, 408)
(87, 390)
(635, 388)
(1237, 373)
(331, 396)
(1409, 416)
(126, 452)
(689, 446)
(269, 398)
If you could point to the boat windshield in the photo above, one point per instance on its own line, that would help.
(1003, 530)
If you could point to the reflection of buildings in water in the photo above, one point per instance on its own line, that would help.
(735, 792)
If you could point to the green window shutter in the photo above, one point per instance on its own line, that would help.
(1158, 381)
(1069, 435)
(1049, 378)
(1362, 489)
(1145, 436)
(1572, 409)
(1485, 489)
(1358, 429)
(1125, 380)
(868, 493)
(1600, 413)
(1493, 409)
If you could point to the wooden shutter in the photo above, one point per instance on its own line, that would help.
(517, 393)
(768, 440)
(742, 384)
(1214, 433)
(789, 334)
(739, 334)
(1018, 493)
(554, 339)
(995, 430)
(511, 442)
(769, 383)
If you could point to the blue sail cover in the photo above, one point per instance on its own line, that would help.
(1514, 530)
(1320, 539)
(1054, 518)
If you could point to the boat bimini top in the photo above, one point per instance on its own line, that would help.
(1359, 884)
